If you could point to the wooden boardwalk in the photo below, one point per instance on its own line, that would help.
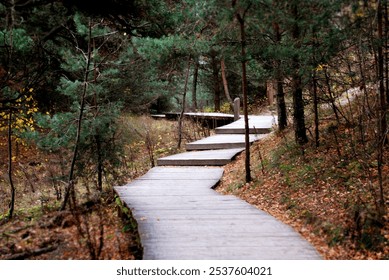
(180, 216)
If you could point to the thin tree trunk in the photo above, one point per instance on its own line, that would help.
(225, 83)
(70, 186)
(335, 108)
(382, 125)
(10, 167)
(9, 140)
(216, 81)
(241, 20)
(194, 85)
(316, 110)
(315, 97)
(281, 105)
(298, 112)
(100, 166)
(298, 102)
(386, 51)
(183, 105)
(381, 83)
(332, 99)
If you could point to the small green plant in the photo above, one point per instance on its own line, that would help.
(129, 223)
(288, 201)
(335, 233)
(309, 217)
(235, 186)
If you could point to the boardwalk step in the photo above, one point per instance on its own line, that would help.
(257, 125)
(200, 158)
(222, 141)
(237, 130)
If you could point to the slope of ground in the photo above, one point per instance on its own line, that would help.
(325, 193)
(96, 233)
(94, 230)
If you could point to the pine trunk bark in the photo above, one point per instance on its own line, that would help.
(70, 187)
(244, 91)
(10, 167)
(297, 89)
(194, 85)
(181, 117)
(316, 110)
(280, 96)
(225, 83)
(382, 124)
(281, 105)
(386, 51)
(216, 81)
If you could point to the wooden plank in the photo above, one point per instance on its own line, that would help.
(229, 253)
(222, 141)
(257, 125)
(211, 157)
(168, 184)
(183, 173)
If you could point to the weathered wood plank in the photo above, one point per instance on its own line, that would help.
(182, 173)
(257, 125)
(229, 253)
(222, 141)
(203, 158)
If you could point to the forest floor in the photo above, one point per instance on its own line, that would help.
(53, 235)
(93, 230)
(327, 194)
(329, 198)
(99, 227)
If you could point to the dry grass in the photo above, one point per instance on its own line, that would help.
(40, 179)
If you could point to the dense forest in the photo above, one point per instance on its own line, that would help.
(79, 78)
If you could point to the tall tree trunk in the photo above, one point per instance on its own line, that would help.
(315, 97)
(10, 167)
(298, 111)
(382, 124)
(183, 105)
(381, 76)
(9, 136)
(216, 81)
(70, 187)
(99, 152)
(281, 105)
(225, 84)
(194, 85)
(241, 20)
(316, 110)
(297, 89)
(386, 51)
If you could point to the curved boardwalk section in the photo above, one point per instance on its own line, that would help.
(181, 217)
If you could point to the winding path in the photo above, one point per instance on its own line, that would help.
(180, 216)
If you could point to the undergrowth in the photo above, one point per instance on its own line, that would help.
(330, 193)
